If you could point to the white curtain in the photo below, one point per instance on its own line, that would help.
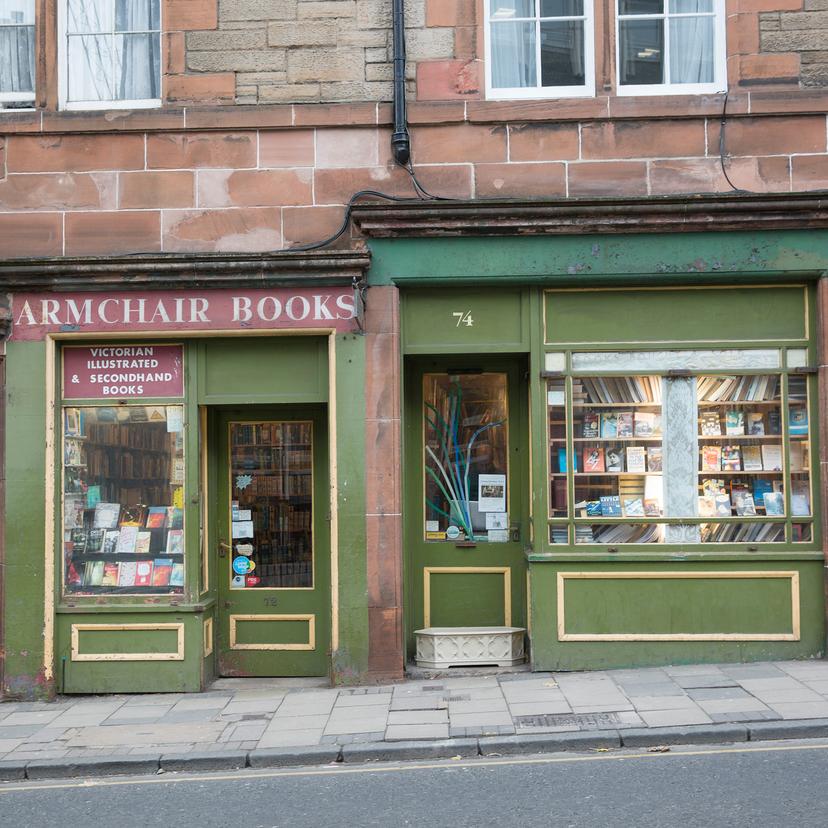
(114, 50)
(140, 57)
(513, 55)
(16, 58)
(691, 45)
(17, 46)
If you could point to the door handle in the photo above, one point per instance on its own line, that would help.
(223, 549)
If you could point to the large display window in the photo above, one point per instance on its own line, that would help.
(678, 455)
(123, 499)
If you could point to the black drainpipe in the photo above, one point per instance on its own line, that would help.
(400, 140)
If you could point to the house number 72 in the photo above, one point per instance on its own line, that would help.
(463, 318)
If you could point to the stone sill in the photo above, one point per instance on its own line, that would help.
(420, 113)
(113, 608)
(670, 558)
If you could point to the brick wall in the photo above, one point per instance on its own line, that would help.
(260, 189)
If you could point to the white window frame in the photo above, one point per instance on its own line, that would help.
(21, 96)
(63, 71)
(719, 83)
(511, 93)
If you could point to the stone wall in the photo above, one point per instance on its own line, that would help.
(801, 37)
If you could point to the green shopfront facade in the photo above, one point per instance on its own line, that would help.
(644, 410)
(184, 501)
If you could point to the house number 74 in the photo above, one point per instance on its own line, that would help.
(463, 318)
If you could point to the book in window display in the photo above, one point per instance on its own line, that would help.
(120, 479)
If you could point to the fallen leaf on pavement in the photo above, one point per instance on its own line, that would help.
(658, 749)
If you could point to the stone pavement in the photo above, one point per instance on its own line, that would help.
(241, 722)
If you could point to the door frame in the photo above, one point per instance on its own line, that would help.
(516, 365)
(320, 630)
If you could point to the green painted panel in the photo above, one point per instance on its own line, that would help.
(181, 676)
(25, 525)
(272, 632)
(594, 258)
(678, 606)
(463, 321)
(264, 369)
(734, 606)
(685, 315)
(460, 600)
(127, 641)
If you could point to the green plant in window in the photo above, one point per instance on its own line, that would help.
(449, 466)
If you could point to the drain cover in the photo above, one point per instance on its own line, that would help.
(585, 721)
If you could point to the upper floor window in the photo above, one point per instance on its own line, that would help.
(17, 50)
(670, 46)
(110, 53)
(539, 48)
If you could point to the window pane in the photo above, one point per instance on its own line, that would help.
(509, 9)
(562, 8)
(690, 6)
(90, 68)
(16, 12)
(137, 66)
(641, 6)
(513, 55)
(271, 474)
(466, 457)
(123, 501)
(691, 50)
(89, 16)
(136, 15)
(562, 54)
(17, 59)
(641, 51)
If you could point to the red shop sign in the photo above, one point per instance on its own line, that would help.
(34, 315)
(105, 372)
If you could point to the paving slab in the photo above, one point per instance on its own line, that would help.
(418, 702)
(118, 735)
(402, 733)
(353, 724)
(282, 723)
(681, 702)
(366, 700)
(801, 710)
(695, 680)
(717, 693)
(290, 738)
(539, 707)
(417, 717)
(668, 718)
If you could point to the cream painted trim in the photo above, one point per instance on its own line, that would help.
(792, 575)
(207, 633)
(311, 619)
(204, 499)
(333, 483)
(505, 571)
(178, 655)
(49, 582)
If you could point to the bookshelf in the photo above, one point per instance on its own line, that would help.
(271, 474)
(619, 448)
(123, 504)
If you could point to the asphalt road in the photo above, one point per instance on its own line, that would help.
(760, 785)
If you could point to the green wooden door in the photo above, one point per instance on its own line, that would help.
(272, 541)
(466, 499)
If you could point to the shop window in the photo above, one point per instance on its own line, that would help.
(676, 456)
(271, 474)
(539, 48)
(110, 53)
(17, 53)
(670, 46)
(123, 499)
(466, 457)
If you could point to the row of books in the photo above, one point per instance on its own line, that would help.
(768, 457)
(113, 515)
(742, 532)
(272, 458)
(157, 572)
(278, 485)
(734, 389)
(743, 503)
(619, 533)
(626, 424)
(617, 459)
(621, 389)
(127, 540)
(739, 423)
(149, 437)
(270, 433)
(618, 506)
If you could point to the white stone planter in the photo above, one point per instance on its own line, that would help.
(442, 647)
